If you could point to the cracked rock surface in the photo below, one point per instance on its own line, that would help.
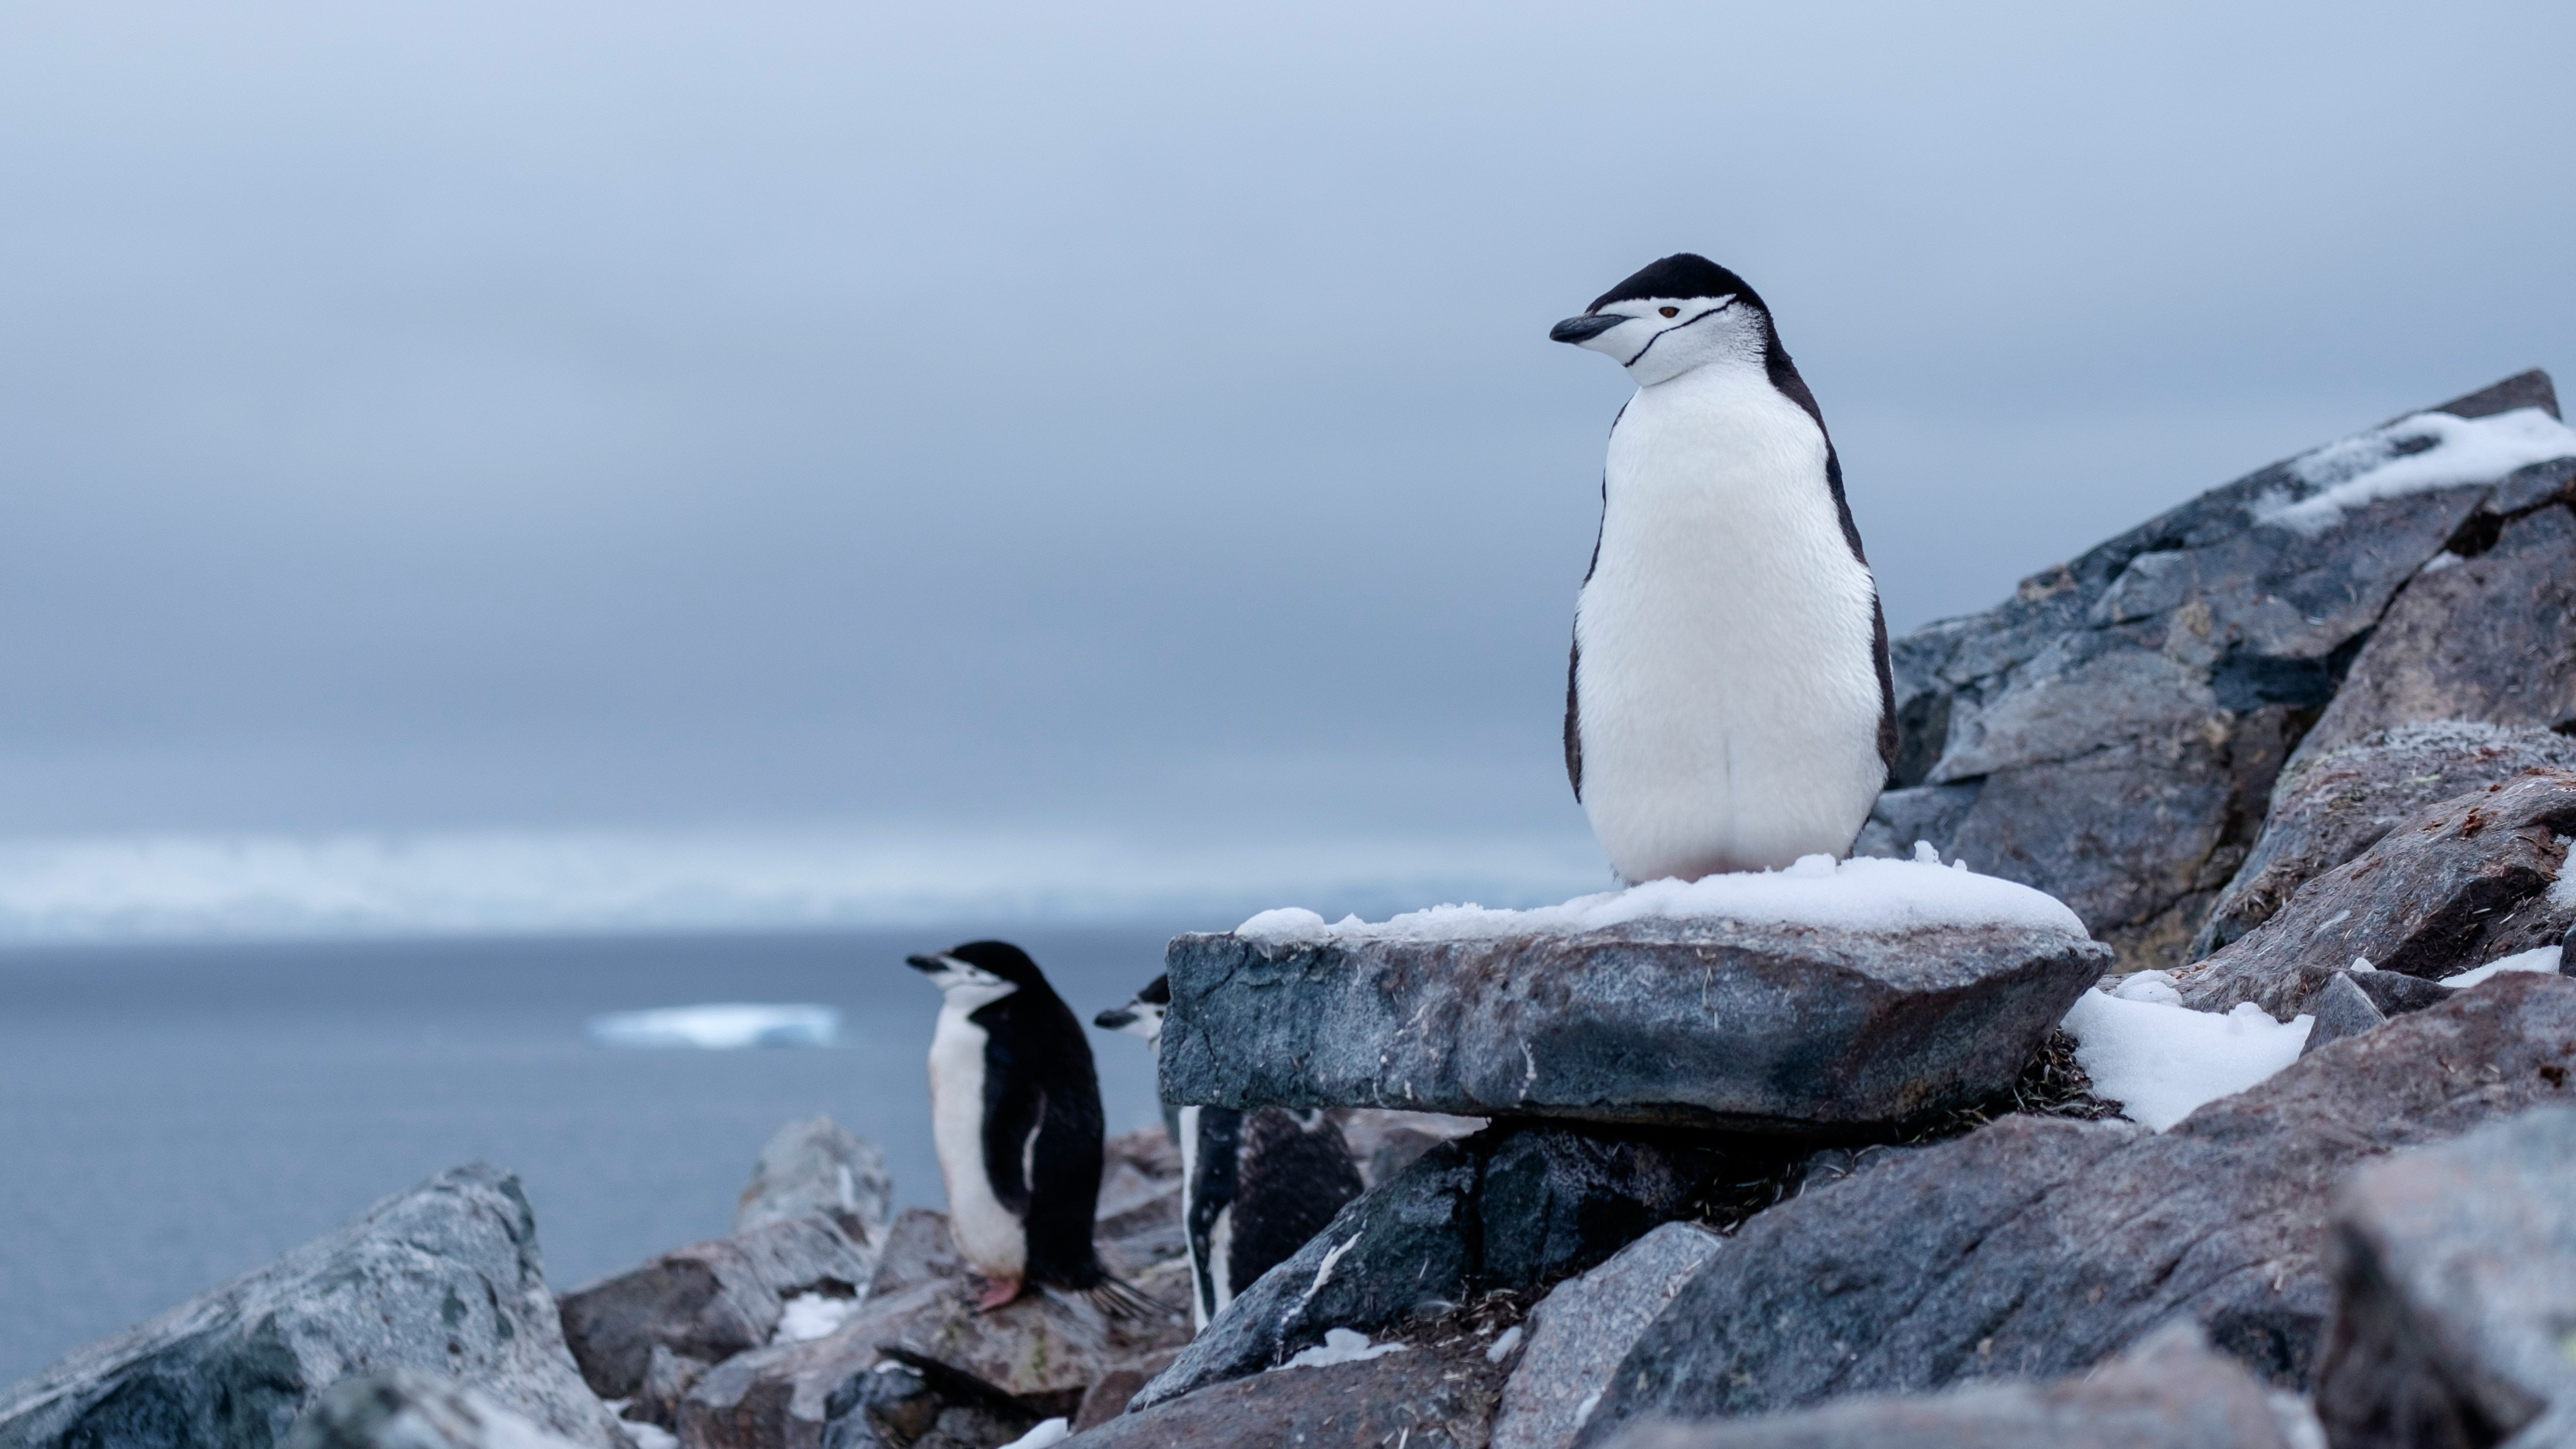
(2036, 1248)
(2112, 732)
(1698, 1022)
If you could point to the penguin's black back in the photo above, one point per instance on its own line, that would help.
(1293, 1178)
(1042, 1123)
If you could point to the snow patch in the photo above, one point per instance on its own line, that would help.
(723, 1026)
(2155, 986)
(647, 1436)
(1324, 1271)
(2163, 1062)
(2412, 455)
(813, 1315)
(1046, 1435)
(2562, 891)
(2543, 959)
(1860, 894)
(1341, 1345)
(1503, 1346)
(2440, 561)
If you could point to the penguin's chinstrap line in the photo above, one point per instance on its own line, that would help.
(1728, 700)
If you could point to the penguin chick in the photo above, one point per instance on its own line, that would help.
(1015, 1116)
(1728, 704)
(1255, 1187)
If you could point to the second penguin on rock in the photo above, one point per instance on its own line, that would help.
(1255, 1186)
(1015, 1116)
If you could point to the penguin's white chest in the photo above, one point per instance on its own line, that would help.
(1727, 679)
(988, 1235)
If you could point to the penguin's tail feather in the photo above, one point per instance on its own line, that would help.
(1119, 1298)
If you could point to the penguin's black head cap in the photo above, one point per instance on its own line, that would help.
(1149, 1002)
(993, 958)
(1681, 312)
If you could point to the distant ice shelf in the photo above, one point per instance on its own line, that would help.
(724, 1026)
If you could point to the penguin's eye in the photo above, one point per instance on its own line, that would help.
(1670, 311)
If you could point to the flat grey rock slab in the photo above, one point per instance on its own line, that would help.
(2329, 807)
(1584, 1326)
(445, 1279)
(408, 1409)
(2455, 1291)
(2036, 1248)
(2459, 883)
(1700, 1021)
(2172, 1393)
(2111, 733)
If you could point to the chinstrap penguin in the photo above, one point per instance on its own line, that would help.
(1728, 704)
(1015, 1116)
(1255, 1186)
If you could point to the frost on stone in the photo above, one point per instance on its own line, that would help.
(2412, 455)
(1861, 894)
(2161, 1062)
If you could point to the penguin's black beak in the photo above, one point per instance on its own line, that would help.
(927, 965)
(1116, 1018)
(1584, 329)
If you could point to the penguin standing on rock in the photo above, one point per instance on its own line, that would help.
(1015, 1115)
(1255, 1186)
(1728, 704)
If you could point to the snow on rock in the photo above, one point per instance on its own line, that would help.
(719, 1027)
(2543, 959)
(2162, 1061)
(2155, 986)
(813, 1315)
(2413, 455)
(1860, 894)
(1341, 1345)
(1048, 1433)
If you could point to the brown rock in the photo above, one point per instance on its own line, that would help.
(1427, 1396)
(2490, 638)
(2437, 895)
(707, 1301)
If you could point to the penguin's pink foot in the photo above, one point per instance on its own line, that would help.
(999, 1293)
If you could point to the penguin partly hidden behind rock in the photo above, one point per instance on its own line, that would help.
(1015, 1116)
(1728, 704)
(1255, 1186)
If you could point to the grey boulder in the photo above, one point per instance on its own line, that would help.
(444, 1279)
(816, 1168)
(1582, 1329)
(2330, 806)
(2036, 1248)
(1694, 1021)
(408, 1409)
(2458, 883)
(2111, 733)
(2172, 1393)
(2343, 1009)
(1516, 1206)
(2488, 637)
(2455, 1293)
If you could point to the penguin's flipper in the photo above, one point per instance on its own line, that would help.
(1013, 1108)
(1574, 719)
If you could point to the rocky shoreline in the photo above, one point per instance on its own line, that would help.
(1811, 1158)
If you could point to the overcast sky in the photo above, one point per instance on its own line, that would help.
(637, 415)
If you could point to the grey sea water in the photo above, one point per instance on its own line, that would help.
(173, 1116)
